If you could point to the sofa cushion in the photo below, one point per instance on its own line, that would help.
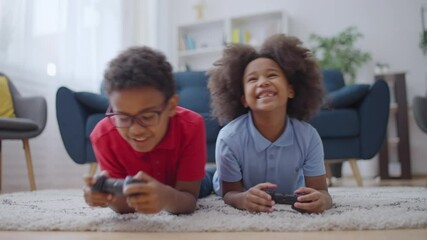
(341, 148)
(94, 101)
(337, 123)
(193, 91)
(6, 102)
(347, 96)
(17, 124)
(332, 79)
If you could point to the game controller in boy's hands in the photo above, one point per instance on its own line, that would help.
(289, 199)
(113, 185)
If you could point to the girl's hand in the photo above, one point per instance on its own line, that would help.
(257, 200)
(147, 197)
(312, 201)
(96, 199)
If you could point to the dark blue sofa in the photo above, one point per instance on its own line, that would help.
(352, 123)
(78, 113)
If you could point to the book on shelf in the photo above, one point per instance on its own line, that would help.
(181, 43)
(186, 43)
(239, 36)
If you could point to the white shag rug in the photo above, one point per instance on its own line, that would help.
(353, 209)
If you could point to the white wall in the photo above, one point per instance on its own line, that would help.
(391, 30)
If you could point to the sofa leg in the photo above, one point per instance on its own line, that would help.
(328, 174)
(92, 169)
(356, 173)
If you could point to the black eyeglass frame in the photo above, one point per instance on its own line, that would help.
(134, 118)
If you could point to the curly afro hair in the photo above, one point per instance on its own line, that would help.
(140, 67)
(298, 64)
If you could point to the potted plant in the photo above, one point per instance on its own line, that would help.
(423, 42)
(339, 52)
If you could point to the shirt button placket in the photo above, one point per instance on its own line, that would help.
(270, 166)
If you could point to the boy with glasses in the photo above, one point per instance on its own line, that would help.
(148, 136)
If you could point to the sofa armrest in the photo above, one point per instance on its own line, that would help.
(72, 116)
(96, 102)
(347, 96)
(374, 114)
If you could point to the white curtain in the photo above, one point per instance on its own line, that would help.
(45, 44)
(69, 42)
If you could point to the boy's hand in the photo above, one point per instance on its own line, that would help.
(147, 197)
(96, 199)
(312, 201)
(257, 200)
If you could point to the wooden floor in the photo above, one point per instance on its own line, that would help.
(365, 235)
(410, 234)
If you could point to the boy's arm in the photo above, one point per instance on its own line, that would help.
(176, 202)
(183, 197)
(153, 196)
(119, 205)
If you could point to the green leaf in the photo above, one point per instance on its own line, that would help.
(339, 52)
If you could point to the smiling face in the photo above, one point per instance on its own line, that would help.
(265, 86)
(134, 101)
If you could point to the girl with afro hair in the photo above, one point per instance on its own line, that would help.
(264, 97)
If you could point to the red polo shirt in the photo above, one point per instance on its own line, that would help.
(180, 155)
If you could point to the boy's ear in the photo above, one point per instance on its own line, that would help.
(172, 103)
(243, 100)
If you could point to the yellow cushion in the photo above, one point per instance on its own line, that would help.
(6, 102)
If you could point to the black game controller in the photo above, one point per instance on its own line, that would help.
(288, 199)
(113, 185)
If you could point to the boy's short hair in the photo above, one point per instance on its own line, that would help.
(297, 63)
(140, 67)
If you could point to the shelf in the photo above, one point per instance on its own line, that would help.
(398, 123)
(200, 43)
(393, 140)
(394, 107)
(200, 51)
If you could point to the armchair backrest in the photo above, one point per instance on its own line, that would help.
(192, 90)
(194, 95)
(30, 112)
(333, 79)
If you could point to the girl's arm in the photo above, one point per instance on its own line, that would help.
(316, 197)
(253, 200)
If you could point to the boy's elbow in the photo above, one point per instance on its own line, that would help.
(188, 209)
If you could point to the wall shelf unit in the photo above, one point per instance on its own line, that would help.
(200, 44)
(397, 137)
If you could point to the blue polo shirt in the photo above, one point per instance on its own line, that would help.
(242, 153)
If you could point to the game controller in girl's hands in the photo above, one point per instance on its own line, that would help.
(289, 199)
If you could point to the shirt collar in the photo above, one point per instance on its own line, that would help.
(261, 143)
(169, 140)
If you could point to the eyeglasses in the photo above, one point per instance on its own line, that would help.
(144, 119)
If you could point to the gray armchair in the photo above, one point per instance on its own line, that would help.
(419, 106)
(31, 115)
